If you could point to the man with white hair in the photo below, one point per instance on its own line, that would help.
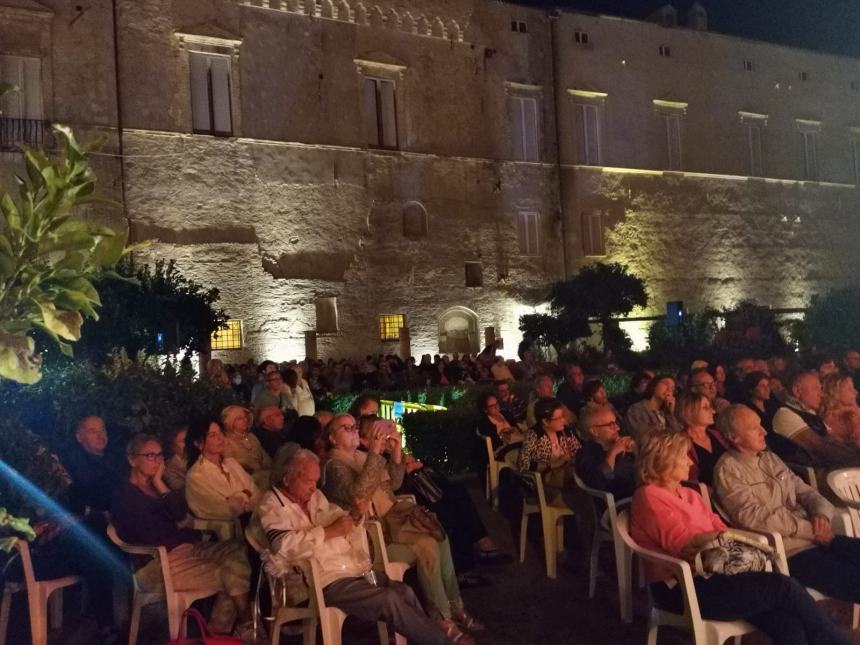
(759, 492)
(300, 523)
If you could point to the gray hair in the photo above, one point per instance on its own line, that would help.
(588, 412)
(138, 441)
(728, 421)
(288, 461)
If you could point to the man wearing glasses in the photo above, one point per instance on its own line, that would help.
(701, 382)
(607, 460)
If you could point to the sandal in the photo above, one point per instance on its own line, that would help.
(467, 621)
(454, 633)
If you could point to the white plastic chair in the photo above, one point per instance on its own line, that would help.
(604, 531)
(705, 632)
(177, 600)
(224, 529)
(494, 469)
(40, 598)
(552, 517)
(845, 483)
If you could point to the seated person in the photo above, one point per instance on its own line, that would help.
(570, 390)
(513, 408)
(839, 408)
(607, 460)
(308, 433)
(217, 487)
(176, 459)
(759, 492)
(549, 450)
(243, 446)
(635, 391)
(146, 512)
(669, 518)
(299, 522)
(271, 429)
(798, 422)
(492, 423)
(351, 474)
(274, 392)
(696, 414)
(543, 390)
(759, 398)
(450, 501)
(703, 382)
(95, 473)
(656, 411)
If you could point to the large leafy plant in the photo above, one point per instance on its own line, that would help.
(49, 256)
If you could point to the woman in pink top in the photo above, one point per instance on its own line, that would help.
(671, 519)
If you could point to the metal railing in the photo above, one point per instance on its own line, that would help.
(15, 133)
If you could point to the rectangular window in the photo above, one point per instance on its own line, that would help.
(673, 142)
(809, 141)
(380, 113)
(528, 225)
(587, 134)
(754, 143)
(25, 73)
(580, 37)
(524, 128)
(210, 94)
(229, 337)
(474, 274)
(748, 65)
(665, 51)
(803, 76)
(593, 243)
(855, 156)
(519, 26)
(326, 310)
(390, 326)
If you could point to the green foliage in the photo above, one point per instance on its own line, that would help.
(29, 455)
(750, 330)
(18, 525)
(444, 395)
(154, 299)
(131, 396)
(832, 322)
(445, 438)
(679, 344)
(556, 331)
(49, 258)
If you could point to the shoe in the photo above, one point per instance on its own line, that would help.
(454, 633)
(494, 556)
(471, 580)
(467, 622)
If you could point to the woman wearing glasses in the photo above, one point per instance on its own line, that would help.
(547, 448)
(146, 512)
(352, 476)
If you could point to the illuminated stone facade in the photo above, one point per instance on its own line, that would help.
(298, 206)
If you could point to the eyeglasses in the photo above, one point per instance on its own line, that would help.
(611, 424)
(151, 456)
(349, 428)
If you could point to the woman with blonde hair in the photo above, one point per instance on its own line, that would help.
(696, 414)
(243, 446)
(669, 518)
(839, 408)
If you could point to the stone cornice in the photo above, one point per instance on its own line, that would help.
(367, 14)
(26, 9)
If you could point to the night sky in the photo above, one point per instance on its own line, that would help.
(829, 25)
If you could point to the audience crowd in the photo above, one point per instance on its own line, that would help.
(304, 482)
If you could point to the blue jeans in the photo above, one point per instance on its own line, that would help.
(833, 570)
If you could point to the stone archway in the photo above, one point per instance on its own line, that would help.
(458, 331)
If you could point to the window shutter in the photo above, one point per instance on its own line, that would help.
(219, 69)
(517, 128)
(388, 111)
(200, 116)
(530, 129)
(371, 127)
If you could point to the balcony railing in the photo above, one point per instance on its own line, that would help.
(15, 133)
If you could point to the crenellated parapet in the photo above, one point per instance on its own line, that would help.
(368, 14)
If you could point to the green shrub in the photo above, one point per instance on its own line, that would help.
(831, 323)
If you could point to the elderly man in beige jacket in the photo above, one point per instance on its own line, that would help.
(759, 492)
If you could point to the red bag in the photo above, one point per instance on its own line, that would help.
(206, 638)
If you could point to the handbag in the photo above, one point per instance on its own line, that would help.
(733, 553)
(422, 483)
(206, 637)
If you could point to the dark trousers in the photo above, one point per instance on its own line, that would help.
(457, 513)
(833, 570)
(776, 604)
(391, 602)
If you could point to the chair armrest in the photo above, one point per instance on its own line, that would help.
(224, 529)
(774, 540)
(842, 523)
(374, 530)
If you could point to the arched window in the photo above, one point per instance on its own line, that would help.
(414, 221)
(458, 331)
